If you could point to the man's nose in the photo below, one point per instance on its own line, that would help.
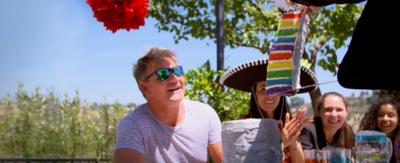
(173, 77)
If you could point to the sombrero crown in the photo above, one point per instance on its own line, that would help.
(244, 76)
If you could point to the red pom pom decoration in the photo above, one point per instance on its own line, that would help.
(120, 14)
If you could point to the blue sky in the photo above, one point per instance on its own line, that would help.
(59, 45)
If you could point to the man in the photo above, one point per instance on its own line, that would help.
(167, 128)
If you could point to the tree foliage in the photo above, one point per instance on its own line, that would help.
(202, 85)
(252, 23)
(392, 93)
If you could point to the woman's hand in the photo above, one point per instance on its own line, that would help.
(310, 10)
(300, 114)
(292, 128)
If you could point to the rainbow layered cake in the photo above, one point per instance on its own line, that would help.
(283, 70)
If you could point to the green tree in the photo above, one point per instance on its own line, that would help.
(252, 23)
(393, 93)
(202, 85)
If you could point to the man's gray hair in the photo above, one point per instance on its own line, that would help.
(154, 54)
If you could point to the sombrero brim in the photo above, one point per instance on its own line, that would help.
(244, 76)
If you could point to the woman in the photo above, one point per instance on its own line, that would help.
(384, 117)
(250, 77)
(329, 127)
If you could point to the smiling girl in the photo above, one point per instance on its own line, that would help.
(384, 117)
(329, 127)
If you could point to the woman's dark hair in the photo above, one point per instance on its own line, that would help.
(278, 114)
(369, 120)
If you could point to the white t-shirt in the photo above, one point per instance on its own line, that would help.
(158, 142)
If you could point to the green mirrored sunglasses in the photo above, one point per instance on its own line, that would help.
(164, 73)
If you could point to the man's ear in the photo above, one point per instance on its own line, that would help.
(143, 87)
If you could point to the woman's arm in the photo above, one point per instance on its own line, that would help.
(290, 135)
(291, 131)
(127, 155)
(215, 151)
(296, 153)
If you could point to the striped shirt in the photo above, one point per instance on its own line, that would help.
(188, 142)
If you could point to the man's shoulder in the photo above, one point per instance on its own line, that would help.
(191, 104)
(189, 101)
(138, 113)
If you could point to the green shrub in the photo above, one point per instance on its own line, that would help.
(40, 125)
(202, 85)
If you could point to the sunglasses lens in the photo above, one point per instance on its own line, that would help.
(163, 74)
(178, 71)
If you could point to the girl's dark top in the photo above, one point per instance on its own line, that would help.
(393, 158)
(312, 136)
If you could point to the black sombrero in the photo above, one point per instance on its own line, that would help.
(244, 76)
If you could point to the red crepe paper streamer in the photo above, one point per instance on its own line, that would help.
(120, 14)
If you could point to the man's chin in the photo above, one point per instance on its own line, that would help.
(176, 97)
